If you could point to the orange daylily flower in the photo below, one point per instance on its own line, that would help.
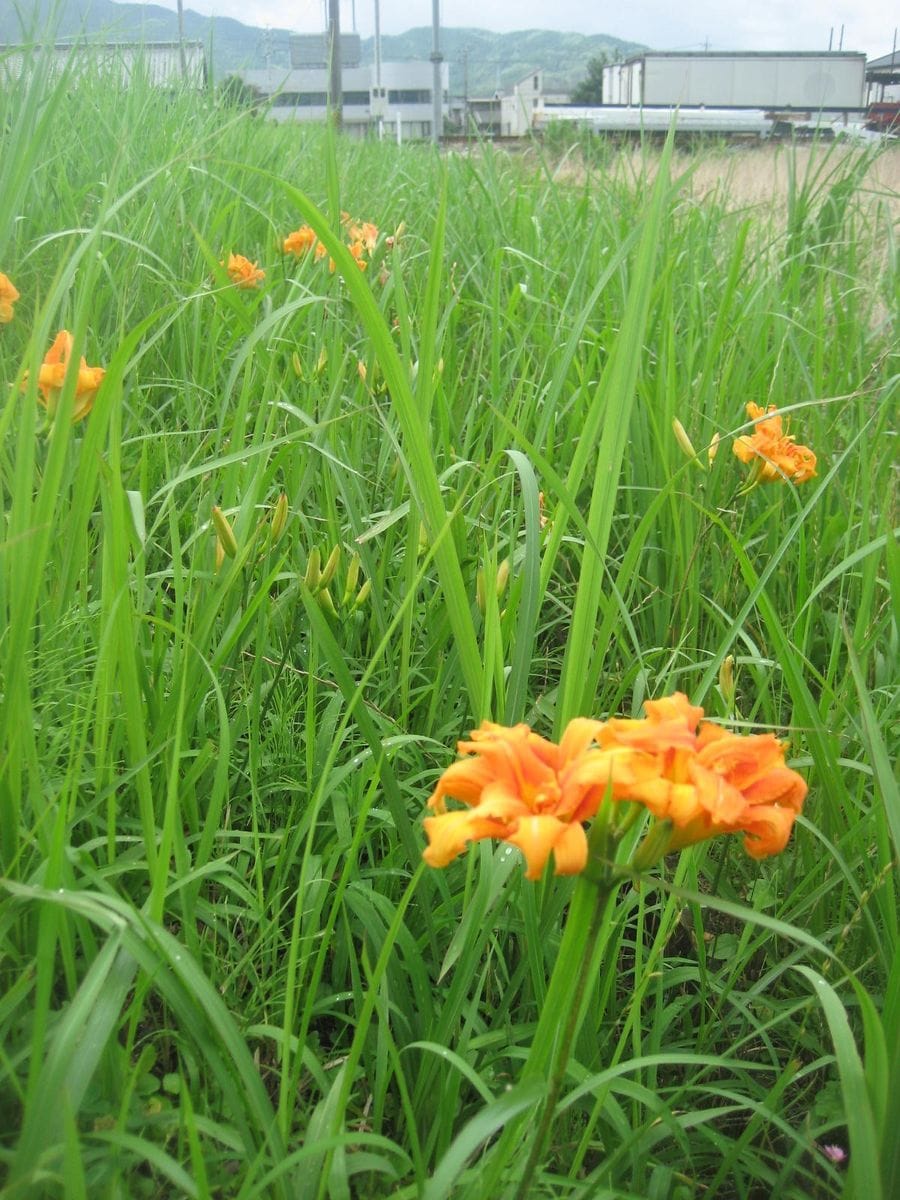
(534, 794)
(364, 232)
(300, 241)
(773, 453)
(243, 272)
(52, 376)
(526, 791)
(8, 296)
(321, 252)
(358, 250)
(707, 780)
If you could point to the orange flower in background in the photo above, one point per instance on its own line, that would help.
(534, 794)
(8, 296)
(300, 241)
(364, 232)
(321, 252)
(526, 791)
(52, 376)
(243, 272)
(773, 453)
(358, 250)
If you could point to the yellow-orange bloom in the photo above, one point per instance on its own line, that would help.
(706, 780)
(243, 272)
(534, 794)
(52, 376)
(364, 232)
(300, 241)
(774, 453)
(8, 296)
(528, 792)
(358, 250)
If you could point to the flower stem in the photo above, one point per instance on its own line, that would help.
(605, 889)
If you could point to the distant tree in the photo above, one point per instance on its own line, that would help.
(237, 94)
(590, 90)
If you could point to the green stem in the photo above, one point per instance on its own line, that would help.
(605, 890)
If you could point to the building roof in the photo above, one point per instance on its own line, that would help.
(885, 69)
(886, 60)
(786, 54)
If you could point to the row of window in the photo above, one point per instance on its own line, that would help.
(350, 99)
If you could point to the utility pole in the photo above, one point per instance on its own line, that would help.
(181, 55)
(378, 107)
(335, 75)
(466, 91)
(437, 84)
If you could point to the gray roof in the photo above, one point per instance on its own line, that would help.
(886, 60)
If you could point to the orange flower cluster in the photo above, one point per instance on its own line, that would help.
(774, 453)
(53, 373)
(362, 238)
(534, 794)
(8, 296)
(300, 241)
(243, 272)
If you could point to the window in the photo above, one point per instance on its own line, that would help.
(355, 99)
(409, 96)
(302, 100)
(537, 83)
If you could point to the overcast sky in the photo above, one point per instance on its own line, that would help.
(660, 24)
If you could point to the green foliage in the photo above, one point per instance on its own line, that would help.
(223, 969)
(589, 91)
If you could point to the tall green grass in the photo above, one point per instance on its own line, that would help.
(223, 970)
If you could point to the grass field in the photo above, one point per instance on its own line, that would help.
(447, 488)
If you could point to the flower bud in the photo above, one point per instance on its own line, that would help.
(681, 437)
(330, 567)
(313, 574)
(279, 517)
(362, 595)
(726, 680)
(297, 365)
(502, 577)
(351, 581)
(713, 449)
(326, 603)
(224, 532)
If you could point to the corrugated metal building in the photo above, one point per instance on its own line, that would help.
(833, 81)
(163, 64)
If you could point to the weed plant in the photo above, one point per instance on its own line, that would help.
(223, 969)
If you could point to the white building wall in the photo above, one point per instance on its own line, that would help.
(158, 62)
(405, 94)
(805, 81)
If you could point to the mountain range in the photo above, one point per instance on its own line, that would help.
(481, 62)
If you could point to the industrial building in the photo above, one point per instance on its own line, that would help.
(883, 78)
(834, 81)
(395, 97)
(508, 114)
(162, 64)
